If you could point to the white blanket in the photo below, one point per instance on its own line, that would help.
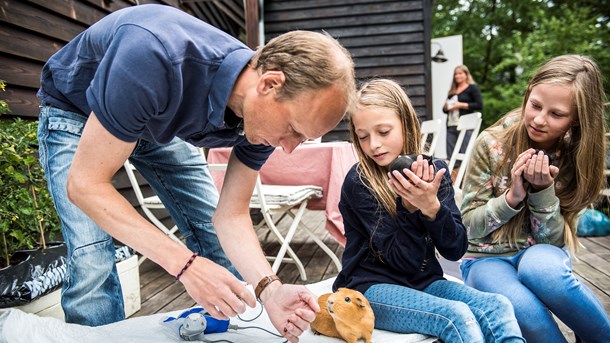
(17, 326)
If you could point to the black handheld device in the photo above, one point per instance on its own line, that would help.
(405, 161)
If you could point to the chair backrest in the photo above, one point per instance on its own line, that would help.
(149, 203)
(268, 198)
(467, 122)
(129, 170)
(430, 128)
(281, 200)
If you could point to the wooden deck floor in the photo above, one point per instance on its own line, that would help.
(160, 293)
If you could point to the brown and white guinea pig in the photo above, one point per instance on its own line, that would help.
(344, 314)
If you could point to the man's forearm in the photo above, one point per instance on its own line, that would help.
(110, 210)
(240, 243)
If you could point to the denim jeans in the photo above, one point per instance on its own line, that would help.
(448, 310)
(91, 292)
(539, 282)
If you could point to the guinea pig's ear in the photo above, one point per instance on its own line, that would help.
(360, 302)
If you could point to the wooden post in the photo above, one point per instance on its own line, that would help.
(252, 23)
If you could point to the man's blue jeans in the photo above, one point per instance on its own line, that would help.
(91, 292)
(449, 310)
(539, 282)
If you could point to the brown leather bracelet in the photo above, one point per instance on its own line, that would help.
(262, 284)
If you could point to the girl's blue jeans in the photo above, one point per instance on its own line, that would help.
(539, 282)
(91, 292)
(445, 309)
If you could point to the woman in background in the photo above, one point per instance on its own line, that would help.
(464, 97)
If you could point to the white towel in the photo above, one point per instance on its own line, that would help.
(17, 326)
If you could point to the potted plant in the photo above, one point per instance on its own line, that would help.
(32, 262)
(27, 218)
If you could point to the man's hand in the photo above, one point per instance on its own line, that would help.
(291, 309)
(216, 289)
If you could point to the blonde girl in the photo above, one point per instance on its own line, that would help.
(529, 177)
(394, 225)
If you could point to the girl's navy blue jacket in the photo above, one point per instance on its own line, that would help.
(401, 250)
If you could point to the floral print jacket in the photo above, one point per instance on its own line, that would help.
(484, 208)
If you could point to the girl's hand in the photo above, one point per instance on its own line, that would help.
(422, 169)
(425, 172)
(419, 189)
(538, 172)
(518, 188)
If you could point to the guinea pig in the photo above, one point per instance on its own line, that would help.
(344, 314)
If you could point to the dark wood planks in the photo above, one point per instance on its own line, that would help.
(386, 38)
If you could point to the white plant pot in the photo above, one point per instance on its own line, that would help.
(129, 275)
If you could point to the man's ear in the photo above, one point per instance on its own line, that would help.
(270, 81)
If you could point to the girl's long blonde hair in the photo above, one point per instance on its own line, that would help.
(582, 150)
(384, 93)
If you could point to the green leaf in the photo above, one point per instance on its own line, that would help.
(20, 173)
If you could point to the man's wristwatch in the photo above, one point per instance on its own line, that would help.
(262, 284)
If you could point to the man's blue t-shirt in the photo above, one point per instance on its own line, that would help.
(154, 72)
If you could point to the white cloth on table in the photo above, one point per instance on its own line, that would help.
(287, 195)
(17, 326)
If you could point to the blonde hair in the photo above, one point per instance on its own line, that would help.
(384, 93)
(582, 151)
(309, 61)
(469, 79)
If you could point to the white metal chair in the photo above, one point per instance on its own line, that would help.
(277, 201)
(468, 122)
(147, 204)
(430, 128)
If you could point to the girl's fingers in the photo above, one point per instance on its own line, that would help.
(529, 152)
(439, 177)
(530, 167)
(418, 166)
(414, 179)
(544, 168)
(426, 176)
(519, 170)
(540, 158)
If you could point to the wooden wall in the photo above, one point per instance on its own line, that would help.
(386, 38)
(33, 30)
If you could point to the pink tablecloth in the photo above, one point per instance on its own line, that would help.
(318, 164)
